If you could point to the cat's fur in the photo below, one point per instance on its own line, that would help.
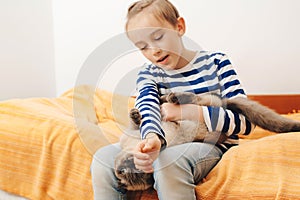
(184, 131)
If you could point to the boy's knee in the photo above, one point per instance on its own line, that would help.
(97, 166)
(165, 162)
(103, 159)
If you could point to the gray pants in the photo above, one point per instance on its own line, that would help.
(177, 170)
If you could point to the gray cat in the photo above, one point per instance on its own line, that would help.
(130, 178)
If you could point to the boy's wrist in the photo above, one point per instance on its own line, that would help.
(162, 140)
(151, 134)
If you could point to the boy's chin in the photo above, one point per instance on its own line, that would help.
(167, 67)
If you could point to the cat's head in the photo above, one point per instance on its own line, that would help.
(129, 177)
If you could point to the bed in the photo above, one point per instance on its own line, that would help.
(47, 145)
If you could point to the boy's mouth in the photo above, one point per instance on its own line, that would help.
(162, 59)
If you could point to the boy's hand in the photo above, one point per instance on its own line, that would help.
(171, 112)
(174, 112)
(146, 152)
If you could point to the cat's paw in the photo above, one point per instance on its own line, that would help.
(180, 98)
(135, 116)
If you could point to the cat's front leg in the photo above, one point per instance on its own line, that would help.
(181, 98)
(191, 98)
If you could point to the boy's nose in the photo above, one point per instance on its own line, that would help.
(156, 51)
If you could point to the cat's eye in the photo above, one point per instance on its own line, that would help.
(122, 171)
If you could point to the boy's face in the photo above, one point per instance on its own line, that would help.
(159, 41)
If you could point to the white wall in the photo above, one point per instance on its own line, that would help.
(260, 36)
(26, 49)
(80, 26)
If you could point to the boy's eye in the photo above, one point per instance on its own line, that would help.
(143, 47)
(158, 37)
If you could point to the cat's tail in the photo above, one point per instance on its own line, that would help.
(262, 116)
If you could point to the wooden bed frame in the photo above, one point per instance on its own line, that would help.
(281, 103)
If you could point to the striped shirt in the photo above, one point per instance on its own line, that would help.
(207, 73)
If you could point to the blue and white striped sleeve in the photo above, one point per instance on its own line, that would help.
(221, 119)
(148, 104)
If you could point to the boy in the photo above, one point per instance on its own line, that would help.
(156, 28)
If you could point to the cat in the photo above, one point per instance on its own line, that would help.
(130, 178)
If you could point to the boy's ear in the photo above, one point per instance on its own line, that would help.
(180, 26)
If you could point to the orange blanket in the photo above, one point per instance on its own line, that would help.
(268, 168)
(41, 153)
(46, 148)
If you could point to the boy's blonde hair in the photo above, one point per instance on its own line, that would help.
(161, 9)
